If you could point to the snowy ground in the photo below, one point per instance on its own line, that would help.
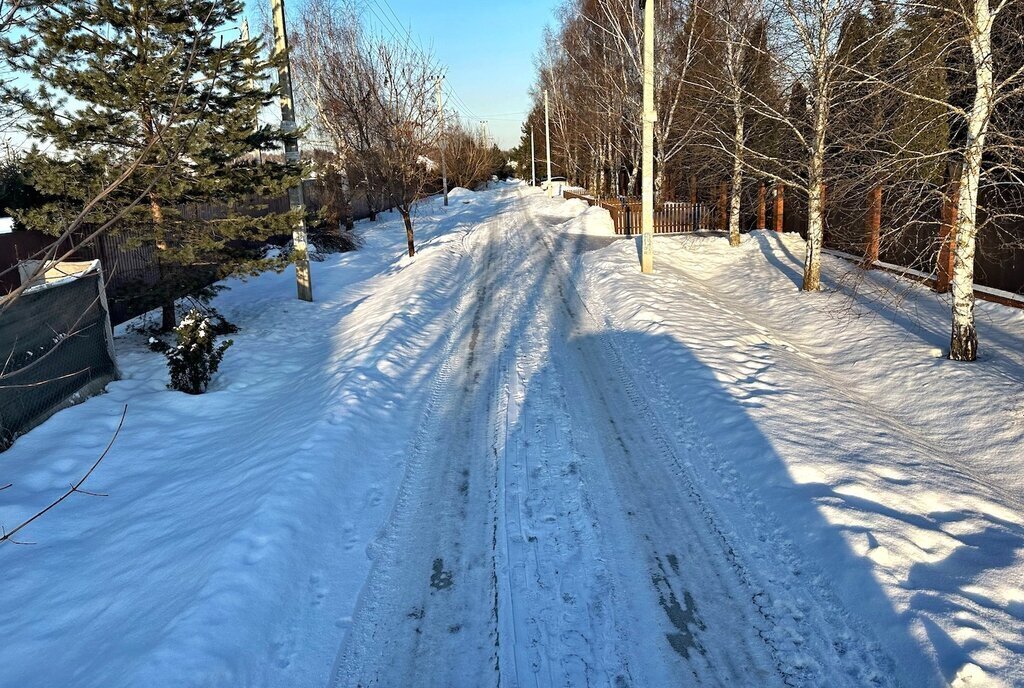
(515, 460)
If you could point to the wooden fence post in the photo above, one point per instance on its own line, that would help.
(723, 207)
(780, 205)
(874, 226)
(947, 235)
(762, 220)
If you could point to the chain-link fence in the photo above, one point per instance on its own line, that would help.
(57, 349)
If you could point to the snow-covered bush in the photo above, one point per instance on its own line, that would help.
(195, 358)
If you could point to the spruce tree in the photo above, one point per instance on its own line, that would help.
(167, 82)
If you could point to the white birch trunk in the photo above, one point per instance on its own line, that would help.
(964, 336)
(737, 176)
(815, 204)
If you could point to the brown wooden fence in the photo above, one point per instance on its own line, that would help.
(854, 219)
(670, 218)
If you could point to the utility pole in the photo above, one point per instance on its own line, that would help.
(532, 157)
(444, 168)
(296, 201)
(547, 136)
(650, 117)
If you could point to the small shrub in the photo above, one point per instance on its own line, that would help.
(195, 358)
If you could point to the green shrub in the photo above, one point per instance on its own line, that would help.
(194, 360)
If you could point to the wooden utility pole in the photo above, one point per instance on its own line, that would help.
(444, 168)
(533, 159)
(650, 117)
(547, 137)
(296, 201)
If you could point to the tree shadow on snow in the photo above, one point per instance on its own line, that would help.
(617, 457)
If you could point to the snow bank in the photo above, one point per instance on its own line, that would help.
(847, 447)
(6, 225)
(233, 543)
(593, 221)
(460, 193)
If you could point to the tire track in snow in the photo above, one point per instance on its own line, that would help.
(547, 532)
(702, 608)
(811, 637)
(427, 617)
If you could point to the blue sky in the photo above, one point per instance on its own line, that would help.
(487, 45)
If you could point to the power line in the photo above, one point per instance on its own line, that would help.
(406, 37)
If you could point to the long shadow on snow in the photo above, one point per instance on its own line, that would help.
(716, 413)
(719, 413)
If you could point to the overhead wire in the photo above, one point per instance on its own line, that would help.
(405, 35)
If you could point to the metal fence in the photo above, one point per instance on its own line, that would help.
(57, 348)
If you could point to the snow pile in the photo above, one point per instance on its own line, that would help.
(846, 447)
(6, 225)
(573, 207)
(461, 194)
(593, 221)
(234, 539)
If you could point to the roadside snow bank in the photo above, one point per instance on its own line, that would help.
(461, 194)
(889, 477)
(237, 530)
(594, 221)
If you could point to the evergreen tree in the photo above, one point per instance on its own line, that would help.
(162, 83)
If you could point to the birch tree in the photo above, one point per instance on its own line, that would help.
(996, 83)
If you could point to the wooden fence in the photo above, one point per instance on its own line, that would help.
(670, 218)
(130, 265)
(858, 221)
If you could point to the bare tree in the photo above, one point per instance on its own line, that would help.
(408, 126)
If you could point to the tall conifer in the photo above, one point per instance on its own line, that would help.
(116, 75)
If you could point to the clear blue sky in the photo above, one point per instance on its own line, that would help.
(487, 45)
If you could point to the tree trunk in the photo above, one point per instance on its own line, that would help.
(737, 178)
(815, 200)
(346, 200)
(634, 175)
(168, 317)
(815, 233)
(407, 218)
(964, 337)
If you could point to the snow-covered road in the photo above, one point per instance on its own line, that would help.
(547, 532)
(514, 460)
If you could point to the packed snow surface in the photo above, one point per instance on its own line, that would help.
(514, 460)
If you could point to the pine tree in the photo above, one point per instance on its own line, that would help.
(164, 82)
